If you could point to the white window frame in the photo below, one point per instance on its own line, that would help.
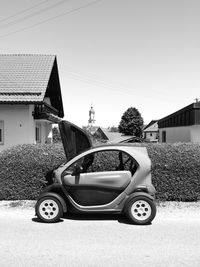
(1, 132)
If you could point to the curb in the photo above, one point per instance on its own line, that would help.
(22, 204)
(171, 206)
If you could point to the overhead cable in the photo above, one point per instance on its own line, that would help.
(23, 11)
(14, 22)
(52, 18)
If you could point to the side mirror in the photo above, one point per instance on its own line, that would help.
(77, 170)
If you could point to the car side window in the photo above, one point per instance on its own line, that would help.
(104, 161)
(71, 168)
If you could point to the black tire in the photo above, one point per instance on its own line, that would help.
(49, 209)
(140, 210)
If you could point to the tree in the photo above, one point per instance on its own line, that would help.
(56, 135)
(131, 122)
(113, 129)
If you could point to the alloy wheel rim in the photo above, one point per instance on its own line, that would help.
(141, 210)
(48, 209)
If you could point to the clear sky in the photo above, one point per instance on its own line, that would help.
(114, 54)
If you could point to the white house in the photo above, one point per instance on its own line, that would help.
(150, 131)
(30, 99)
(181, 126)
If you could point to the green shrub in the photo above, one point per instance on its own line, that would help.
(25, 169)
(176, 171)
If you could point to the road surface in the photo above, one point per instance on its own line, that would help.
(173, 239)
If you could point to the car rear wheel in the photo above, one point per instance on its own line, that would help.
(49, 209)
(140, 210)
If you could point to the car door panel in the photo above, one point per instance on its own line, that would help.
(91, 189)
(114, 179)
(92, 196)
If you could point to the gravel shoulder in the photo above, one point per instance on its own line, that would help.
(171, 207)
(179, 210)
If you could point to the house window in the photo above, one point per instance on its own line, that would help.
(1, 132)
(38, 133)
(164, 137)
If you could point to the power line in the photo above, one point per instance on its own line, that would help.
(32, 15)
(117, 87)
(52, 18)
(97, 81)
(23, 11)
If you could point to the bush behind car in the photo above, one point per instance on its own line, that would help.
(26, 169)
(176, 171)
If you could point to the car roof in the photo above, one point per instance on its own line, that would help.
(140, 154)
(133, 150)
(116, 145)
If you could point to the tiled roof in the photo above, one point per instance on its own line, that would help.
(151, 123)
(152, 127)
(24, 78)
(111, 135)
(114, 137)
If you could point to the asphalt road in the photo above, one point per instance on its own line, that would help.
(173, 239)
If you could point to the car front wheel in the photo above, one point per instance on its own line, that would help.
(140, 210)
(49, 209)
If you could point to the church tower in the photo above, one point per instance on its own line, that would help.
(91, 120)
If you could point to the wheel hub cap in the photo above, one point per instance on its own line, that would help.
(48, 209)
(141, 210)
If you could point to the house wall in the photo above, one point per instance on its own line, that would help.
(195, 134)
(181, 134)
(46, 131)
(19, 126)
(151, 136)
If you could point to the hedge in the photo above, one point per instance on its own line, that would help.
(26, 169)
(176, 171)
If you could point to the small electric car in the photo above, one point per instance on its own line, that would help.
(106, 179)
